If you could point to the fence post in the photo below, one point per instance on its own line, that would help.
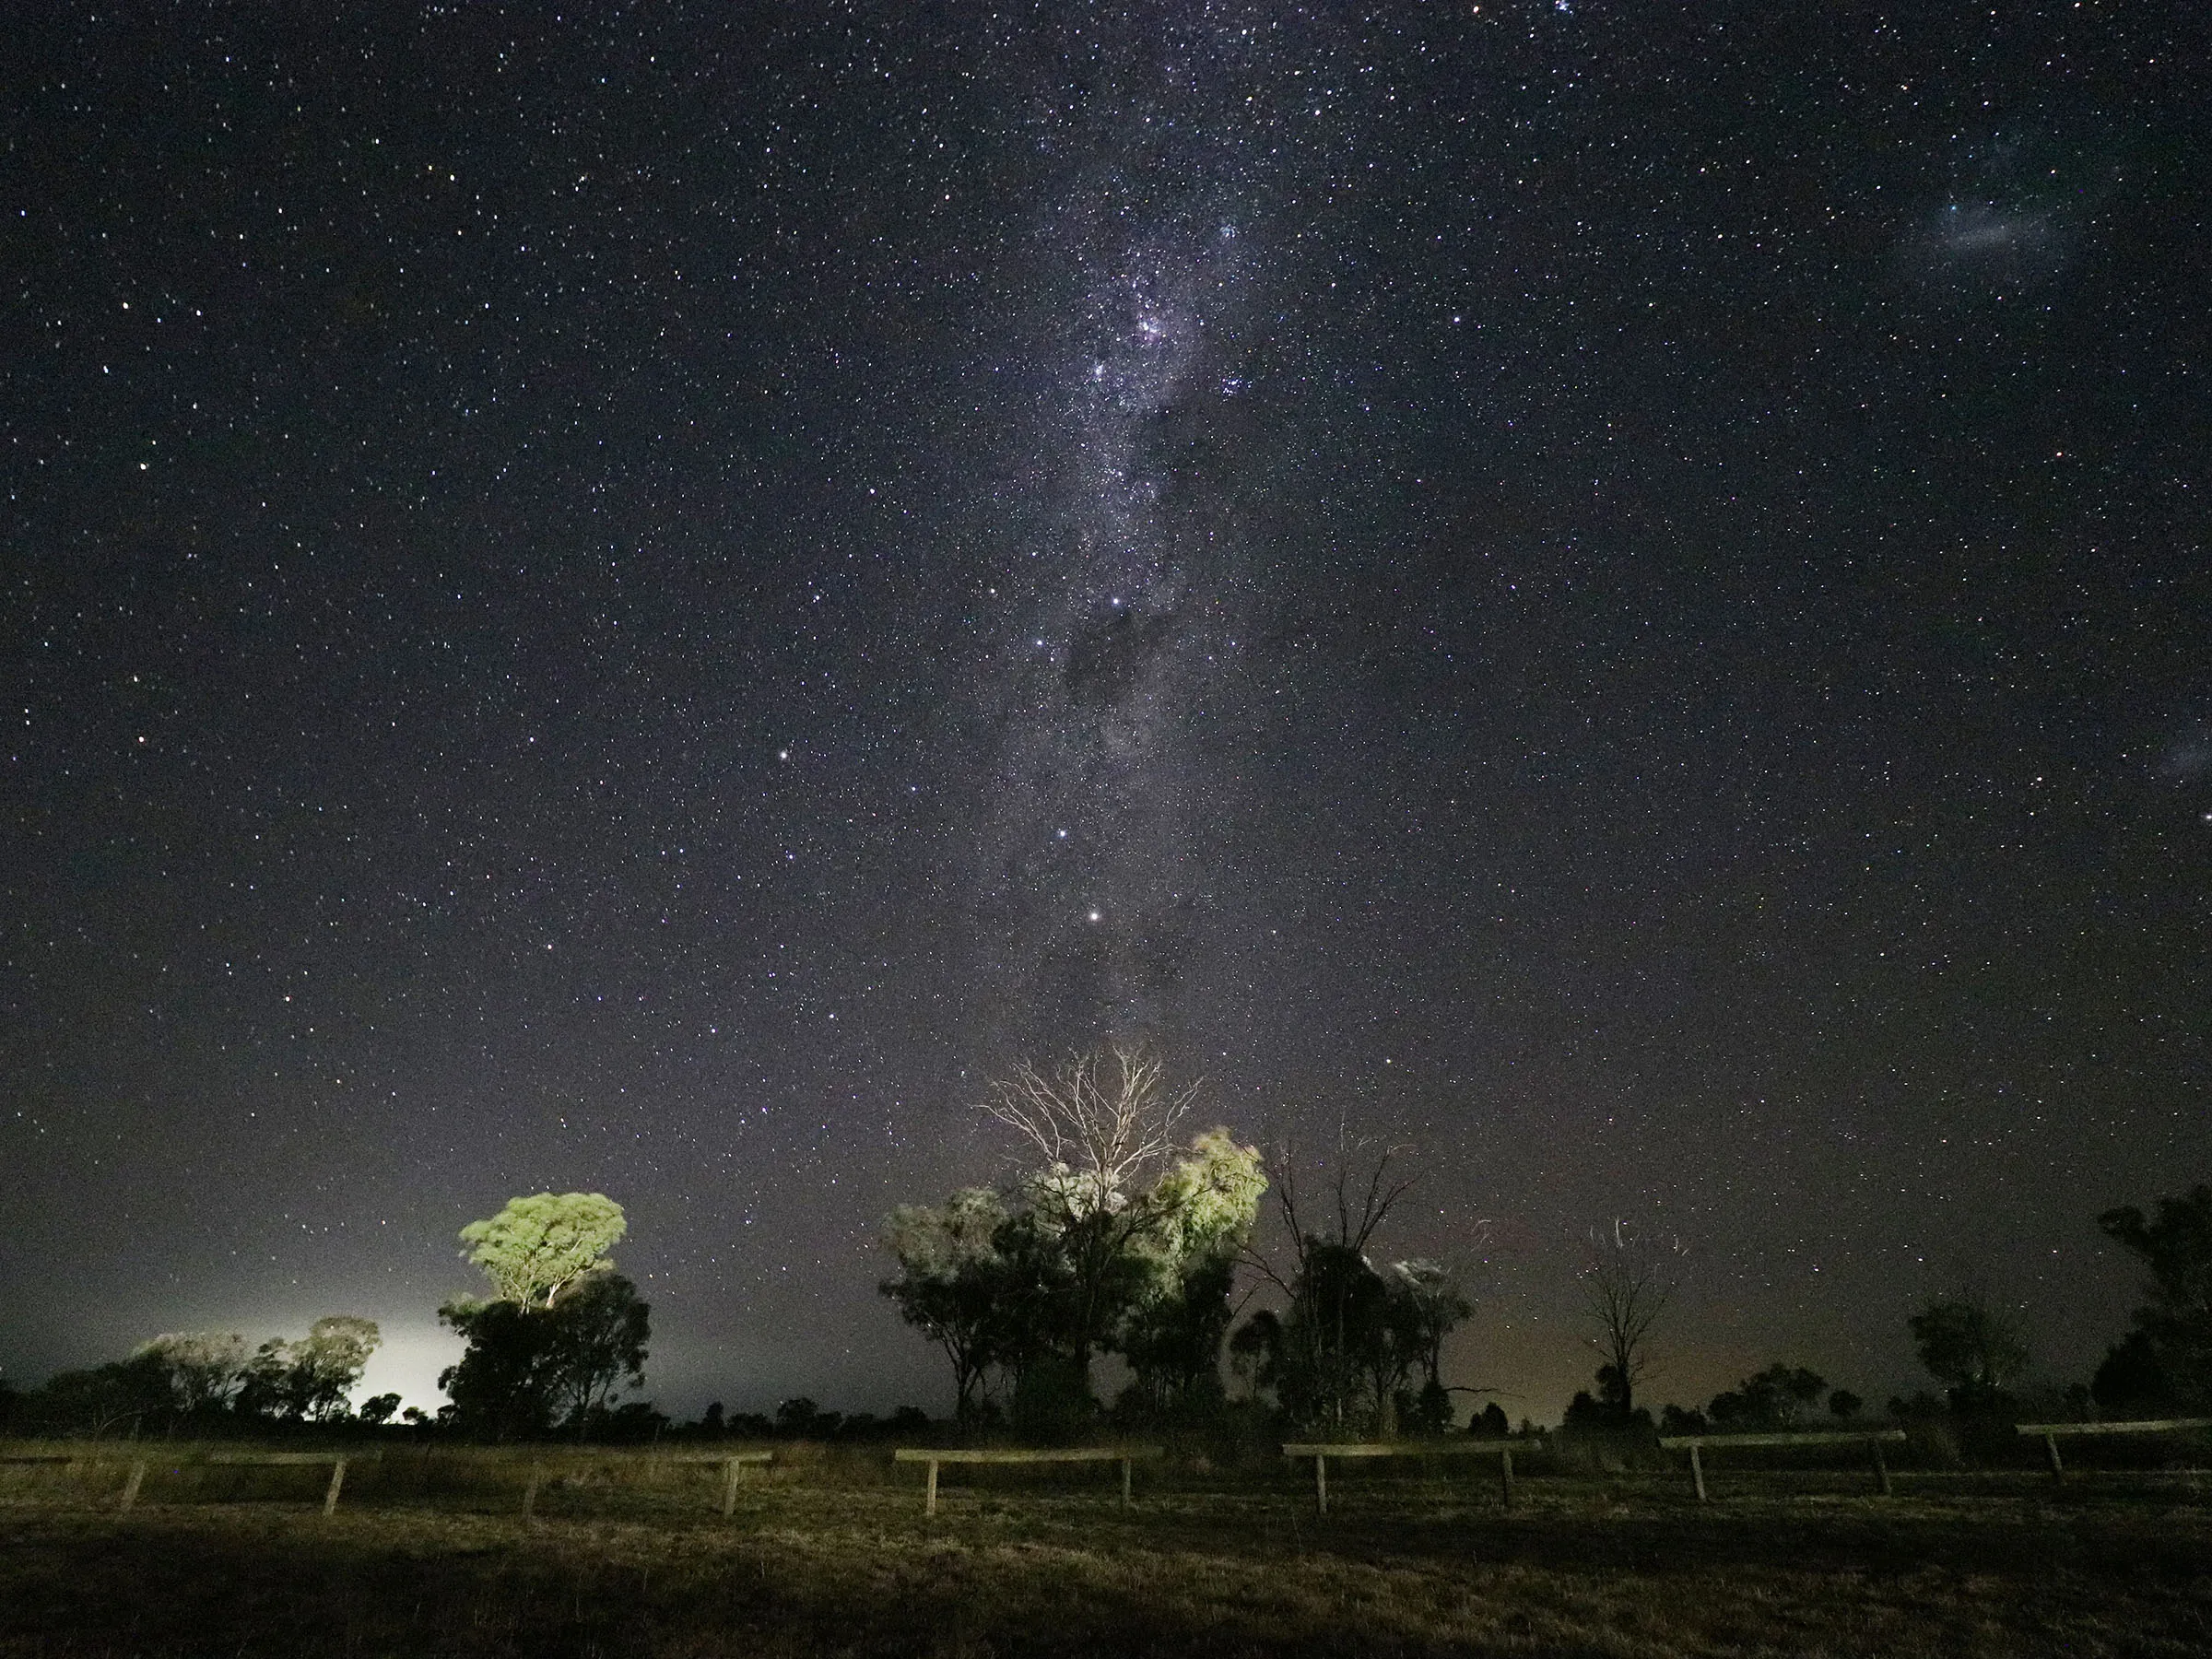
(130, 1488)
(1505, 1475)
(1697, 1472)
(729, 1490)
(1881, 1470)
(1125, 1483)
(538, 1474)
(338, 1483)
(1321, 1483)
(929, 1506)
(2058, 1469)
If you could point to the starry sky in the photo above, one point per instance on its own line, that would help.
(639, 599)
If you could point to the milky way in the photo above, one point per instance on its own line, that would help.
(634, 600)
(1101, 866)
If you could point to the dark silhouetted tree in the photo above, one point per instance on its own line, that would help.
(2166, 1361)
(1777, 1398)
(1335, 1356)
(1628, 1278)
(1971, 1347)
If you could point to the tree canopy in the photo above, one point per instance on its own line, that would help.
(536, 1245)
(1971, 1346)
(529, 1369)
(1117, 1240)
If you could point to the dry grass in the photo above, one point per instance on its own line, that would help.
(813, 1563)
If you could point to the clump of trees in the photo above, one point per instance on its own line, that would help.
(207, 1381)
(1124, 1237)
(563, 1333)
(1356, 1347)
(1121, 1238)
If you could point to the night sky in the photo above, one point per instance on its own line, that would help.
(1616, 592)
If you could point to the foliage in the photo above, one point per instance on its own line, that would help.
(1971, 1347)
(537, 1246)
(1603, 1414)
(1114, 1243)
(949, 1282)
(1491, 1423)
(601, 1327)
(528, 1369)
(124, 1397)
(1172, 1329)
(309, 1379)
(1104, 1122)
(1844, 1406)
(2166, 1361)
(1777, 1398)
(204, 1368)
(1339, 1355)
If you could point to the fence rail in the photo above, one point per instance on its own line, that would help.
(1874, 1439)
(1320, 1452)
(2050, 1432)
(544, 1463)
(934, 1456)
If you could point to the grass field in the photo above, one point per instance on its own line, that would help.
(815, 1563)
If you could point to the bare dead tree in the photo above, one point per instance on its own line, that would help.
(1328, 1337)
(1627, 1280)
(1357, 1204)
(1101, 1120)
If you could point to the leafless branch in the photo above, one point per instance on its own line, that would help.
(1103, 1118)
(1627, 1280)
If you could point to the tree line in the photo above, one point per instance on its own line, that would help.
(1126, 1235)
(1121, 1237)
(560, 1336)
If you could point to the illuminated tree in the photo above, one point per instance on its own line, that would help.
(310, 1380)
(1103, 1122)
(1173, 1332)
(1114, 1241)
(1628, 1278)
(951, 1283)
(537, 1245)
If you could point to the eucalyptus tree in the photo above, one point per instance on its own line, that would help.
(537, 1245)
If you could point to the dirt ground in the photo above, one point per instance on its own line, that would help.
(1588, 1566)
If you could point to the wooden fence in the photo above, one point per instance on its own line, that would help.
(1875, 1439)
(934, 1456)
(1321, 1453)
(2052, 1431)
(139, 1458)
(733, 1463)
